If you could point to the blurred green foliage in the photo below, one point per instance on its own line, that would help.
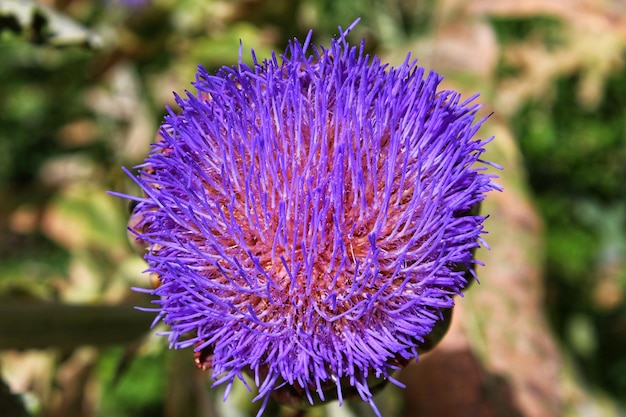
(140, 390)
(576, 164)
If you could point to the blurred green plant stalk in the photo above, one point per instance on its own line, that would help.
(34, 325)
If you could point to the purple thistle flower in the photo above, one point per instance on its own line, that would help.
(311, 218)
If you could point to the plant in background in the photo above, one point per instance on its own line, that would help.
(310, 219)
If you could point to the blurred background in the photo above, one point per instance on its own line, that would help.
(83, 89)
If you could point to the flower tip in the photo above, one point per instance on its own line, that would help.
(349, 29)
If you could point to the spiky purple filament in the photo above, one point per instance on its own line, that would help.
(309, 217)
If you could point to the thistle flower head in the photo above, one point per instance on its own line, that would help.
(310, 217)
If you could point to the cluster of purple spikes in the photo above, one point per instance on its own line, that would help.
(311, 216)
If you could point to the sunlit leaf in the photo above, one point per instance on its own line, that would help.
(44, 25)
